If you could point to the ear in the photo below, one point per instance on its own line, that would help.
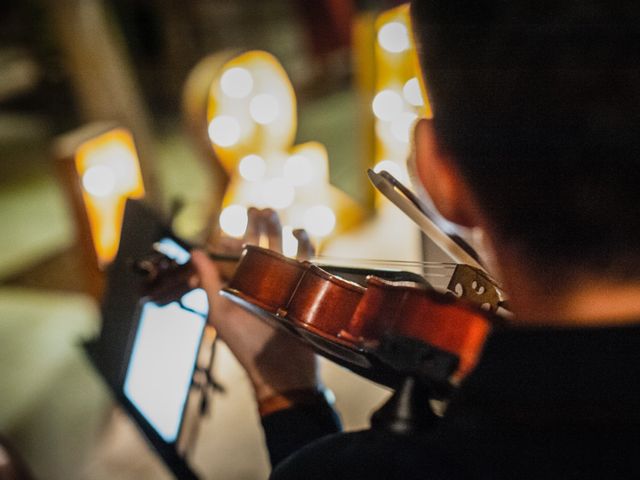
(442, 179)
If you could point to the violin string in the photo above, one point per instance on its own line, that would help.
(355, 261)
(408, 263)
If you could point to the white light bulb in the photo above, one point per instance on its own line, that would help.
(394, 37)
(264, 108)
(402, 125)
(289, 242)
(392, 167)
(252, 168)
(278, 193)
(387, 105)
(224, 130)
(121, 160)
(298, 170)
(233, 220)
(412, 93)
(319, 221)
(236, 82)
(99, 181)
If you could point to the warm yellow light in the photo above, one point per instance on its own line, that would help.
(264, 108)
(319, 221)
(289, 242)
(224, 130)
(109, 172)
(392, 167)
(99, 181)
(394, 37)
(236, 82)
(387, 105)
(402, 126)
(412, 93)
(233, 220)
(278, 193)
(252, 167)
(298, 170)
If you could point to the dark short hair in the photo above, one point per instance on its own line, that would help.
(539, 105)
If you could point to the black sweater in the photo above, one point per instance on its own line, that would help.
(542, 403)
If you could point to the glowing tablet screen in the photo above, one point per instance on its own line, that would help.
(163, 359)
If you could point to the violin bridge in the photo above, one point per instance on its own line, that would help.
(475, 286)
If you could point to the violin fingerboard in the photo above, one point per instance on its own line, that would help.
(475, 286)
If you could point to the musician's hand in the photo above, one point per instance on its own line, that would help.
(275, 361)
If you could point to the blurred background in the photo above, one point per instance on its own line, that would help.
(64, 63)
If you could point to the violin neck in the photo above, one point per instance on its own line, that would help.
(225, 263)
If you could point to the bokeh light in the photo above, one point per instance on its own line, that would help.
(99, 181)
(387, 105)
(264, 108)
(402, 126)
(319, 221)
(224, 130)
(392, 167)
(298, 170)
(289, 242)
(252, 167)
(233, 220)
(412, 93)
(394, 37)
(236, 82)
(278, 193)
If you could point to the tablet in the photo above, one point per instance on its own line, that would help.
(164, 353)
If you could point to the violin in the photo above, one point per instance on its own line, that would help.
(382, 329)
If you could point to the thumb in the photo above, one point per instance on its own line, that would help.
(207, 273)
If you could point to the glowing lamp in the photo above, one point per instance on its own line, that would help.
(254, 90)
(99, 168)
(398, 96)
(252, 118)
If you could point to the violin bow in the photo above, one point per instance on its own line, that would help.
(426, 218)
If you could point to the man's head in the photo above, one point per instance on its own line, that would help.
(537, 107)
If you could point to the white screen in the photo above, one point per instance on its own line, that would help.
(162, 363)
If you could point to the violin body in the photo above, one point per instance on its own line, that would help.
(382, 329)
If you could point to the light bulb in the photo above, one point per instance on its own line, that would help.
(233, 220)
(99, 181)
(122, 162)
(412, 93)
(319, 221)
(392, 167)
(224, 130)
(236, 82)
(402, 125)
(252, 167)
(289, 242)
(387, 105)
(298, 170)
(394, 37)
(264, 108)
(278, 193)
